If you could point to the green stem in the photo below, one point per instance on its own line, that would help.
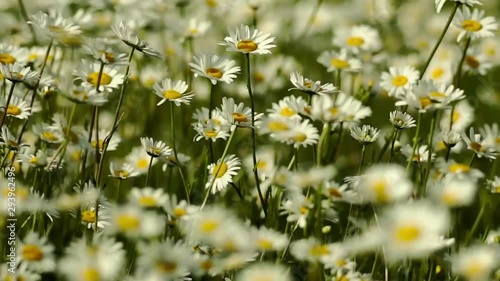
(174, 148)
(118, 185)
(323, 141)
(149, 170)
(429, 146)
(310, 21)
(458, 73)
(24, 14)
(448, 152)
(415, 141)
(217, 171)
(475, 225)
(254, 142)
(363, 151)
(443, 33)
(393, 141)
(4, 117)
(339, 141)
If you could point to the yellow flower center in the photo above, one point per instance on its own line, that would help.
(210, 133)
(142, 163)
(128, 222)
(206, 265)
(342, 278)
(300, 137)
(436, 95)
(33, 160)
(308, 84)
(380, 189)
(91, 274)
(121, 173)
(399, 81)
(72, 40)
(179, 212)
(261, 165)
(49, 136)
(456, 116)
(497, 189)
(437, 73)
(407, 233)
(247, 46)
(441, 145)
(88, 216)
(277, 126)
(425, 102)
(459, 168)
(472, 62)
(239, 117)
(93, 79)
(287, 112)
(214, 72)
(449, 198)
(337, 63)
(209, 226)
(7, 59)
(355, 41)
(259, 77)
(474, 270)
(477, 147)
(304, 210)
(171, 94)
(334, 192)
(211, 3)
(265, 244)
(101, 144)
(472, 25)
(219, 170)
(147, 201)
(32, 252)
(13, 110)
(166, 266)
(108, 56)
(319, 251)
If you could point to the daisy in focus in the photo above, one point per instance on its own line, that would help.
(214, 68)
(248, 41)
(474, 24)
(174, 92)
(222, 173)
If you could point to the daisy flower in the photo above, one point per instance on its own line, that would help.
(413, 230)
(179, 209)
(384, 183)
(89, 217)
(36, 253)
(476, 262)
(86, 95)
(358, 38)
(49, 133)
(440, 71)
(365, 135)
(209, 131)
(474, 24)
(339, 192)
(10, 54)
(339, 61)
(123, 171)
(494, 185)
(462, 117)
(147, 197)
(139, 159)
(175, 92)
(401, 120)
(238, 115)
(454, 192)
(155, 148)
(134, 222)
(248, 41)
(54, 26)
(17, 72)
(297, 208)
(421, 154)
(89, 75)
(450, 138)
(302, 134)
(128, 37)
(440, 3)
(311, 250)
(222, 173)
(264, 271)
(478, 146)
(102, 135)
(399, 80)
(477, 62)
(427, 96)
(215, 68)
(98, 49)
(268, 239)
(288, 107)
(309, 86)
(33, 160)
(196, 28)
(491, 134)
(17, 108)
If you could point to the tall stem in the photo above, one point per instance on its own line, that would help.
(415, 141)
(7, 104)
(310, 21)
(363, 152)
(24, 14)
(149, 170)
(323, 141)
(443, 33)
(174, 148)
(254, 142)
(339, 141)
(393, 141)
(429, 146)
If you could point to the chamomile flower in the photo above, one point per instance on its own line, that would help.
(474, 24)
(302, 134)
(440, 71)
(139, 159)
(196, 28)
(265, 163)
(427, 95)
(39, 159)
(248, 41)
(123, 171)
(49, 133)
(108, 79)
(311, 250)
(99, 50)
(54, 26)
(476, 262)
(268, 239)
(86, 95)
(36, 253)
(17, 108)
(401, 120)
(134, 222)
(399, 80)
(147, 197)
(179, 209)
(358, 38)
(297, 208)
(10, 54)
(450, 138)
(128, 37)
(339, 192)
(18, 73)
(101, 137)
(339, 61)
(440, 3)
(214, 68)
(477, 62)
(491, 134)
(287, 107)
(421, 154)
(89, 217)
(264, 271)
(478, 146)
(365, 135)
(209, 131)
(462, 117)
(309, 86)
(384, 183)
(155, 148)
(222, 173)
(238, 115)
(173, 91)
(454, 191)
(494, 185)
(413, 230)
